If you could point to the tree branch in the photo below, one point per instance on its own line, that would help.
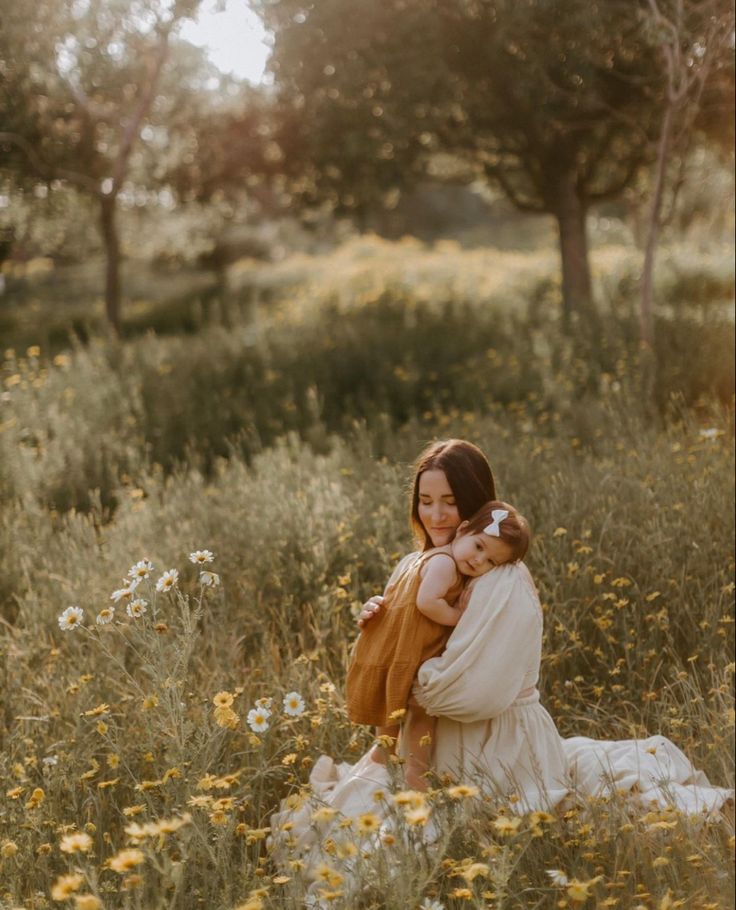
(524, 205)
(132, 128)
(618, 186)
(45, 170)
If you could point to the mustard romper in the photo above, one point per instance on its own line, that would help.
(391, 648)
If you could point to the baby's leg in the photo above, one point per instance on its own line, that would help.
(419, 736)
(382, 750)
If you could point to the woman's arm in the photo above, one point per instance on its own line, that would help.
(439, 576)
(492, 654)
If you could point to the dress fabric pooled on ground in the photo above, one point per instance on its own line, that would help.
(493, 730)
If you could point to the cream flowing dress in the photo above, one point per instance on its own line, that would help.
(493, 730)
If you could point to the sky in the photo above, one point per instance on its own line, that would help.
(234, 38)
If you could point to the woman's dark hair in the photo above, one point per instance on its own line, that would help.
(468, 474)
(512, 530)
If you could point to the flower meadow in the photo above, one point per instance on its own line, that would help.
(174, 632)
(154, 718)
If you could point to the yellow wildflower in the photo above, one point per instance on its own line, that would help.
(35, 799)
(223, 699)
(506, 826)
(104, 784)
(412, 798)
(130, 811)
(76, 843)
(96, 712)
(367, 823)
(418, 816)
(93, 769)
(578, 891)
(125, 860)
(8, 848)
(471, 872)
(326, 873)
(462, 791)
(65, 886)
(226, 717)
(219, 818)
(87, 902)
(253, 903)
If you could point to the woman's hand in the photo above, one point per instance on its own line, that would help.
(370, 608)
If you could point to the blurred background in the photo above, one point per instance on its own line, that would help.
(319, 220)
(161, 161)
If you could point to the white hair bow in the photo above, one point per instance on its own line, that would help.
(494, 528)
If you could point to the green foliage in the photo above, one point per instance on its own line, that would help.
(364, 347)
(510, 88)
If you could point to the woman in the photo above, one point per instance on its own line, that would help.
(491, 726)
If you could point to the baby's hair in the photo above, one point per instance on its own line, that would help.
(513, 530)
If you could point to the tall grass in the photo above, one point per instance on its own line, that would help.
(633, 557)
(283, 444)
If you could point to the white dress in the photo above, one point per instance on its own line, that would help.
(492, 729)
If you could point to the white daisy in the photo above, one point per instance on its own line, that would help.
(428, 904)
(293, 704)
(201, 556)
(558, 877)
(123, 593)
(167, 580)
(71, 618)
(106, 615)
(266, 703)
(209, 579)
(136, 608)
(141, 570)
(258, 719)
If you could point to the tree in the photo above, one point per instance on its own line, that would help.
(554, 102)
(82, 84)
(695, 40)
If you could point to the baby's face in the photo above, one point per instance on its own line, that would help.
(476, 554)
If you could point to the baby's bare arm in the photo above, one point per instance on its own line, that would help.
(439, 576)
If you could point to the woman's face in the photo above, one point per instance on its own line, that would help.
(437, 508)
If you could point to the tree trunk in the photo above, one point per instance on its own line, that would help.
(646, 320)
(112, 261)
(571, 214)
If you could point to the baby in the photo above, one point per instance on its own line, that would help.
(419, 611)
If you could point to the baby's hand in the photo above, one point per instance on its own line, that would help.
(371, 608)
(464, 599)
